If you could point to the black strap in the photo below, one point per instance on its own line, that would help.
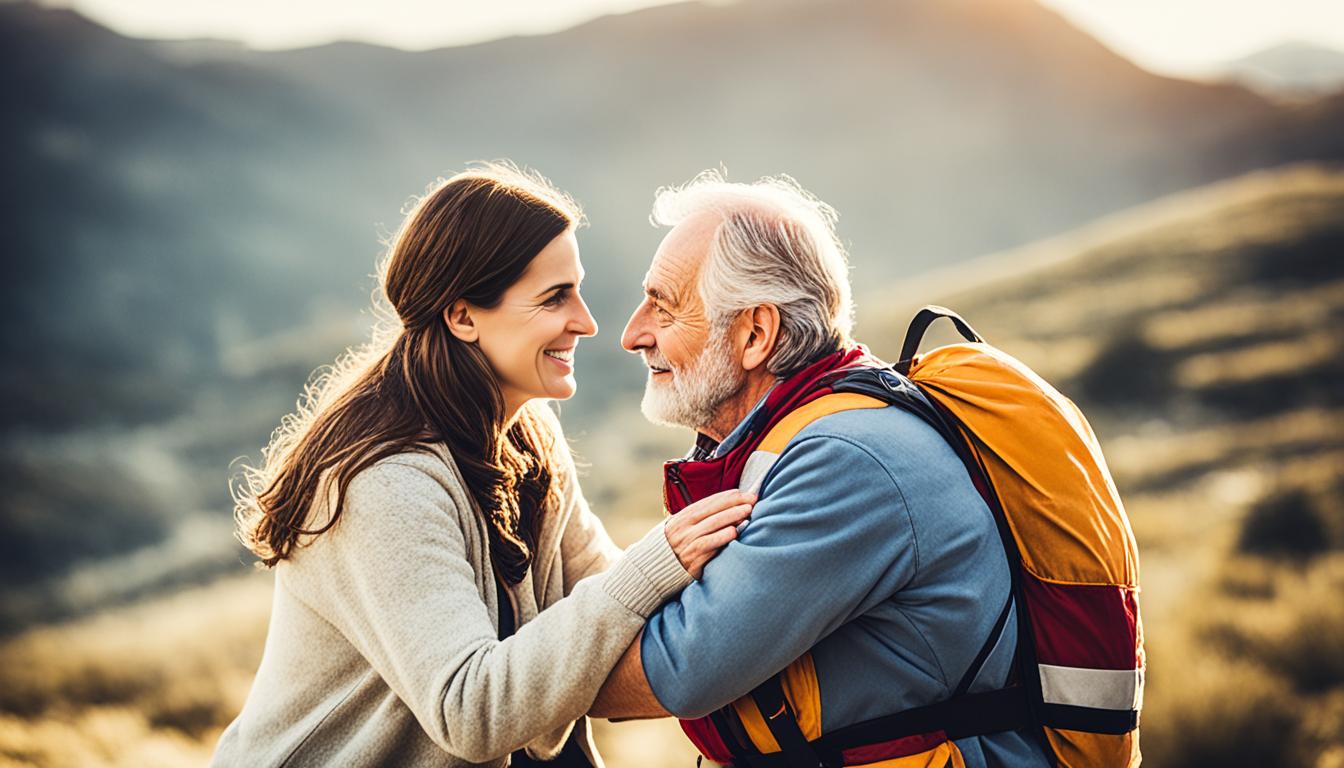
(732, 733)
(783, 724)
(995, 634)
(975, 714)
(915, 334)
(507, 621)
(1071, 718)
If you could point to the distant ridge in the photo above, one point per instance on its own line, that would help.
(1293, 68)
(241, 193)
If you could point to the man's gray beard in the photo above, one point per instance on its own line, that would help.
(695, 394)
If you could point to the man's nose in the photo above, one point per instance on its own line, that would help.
(636, 335)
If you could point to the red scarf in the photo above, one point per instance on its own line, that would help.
(686, 481)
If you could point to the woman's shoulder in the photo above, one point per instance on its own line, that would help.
(399, 497)
(414, 482)
(427, 469)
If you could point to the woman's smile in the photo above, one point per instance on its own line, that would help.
(563, 357)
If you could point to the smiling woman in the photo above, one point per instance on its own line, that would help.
(422, 509)
(531, 334)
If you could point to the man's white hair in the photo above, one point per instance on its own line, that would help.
(775, 244)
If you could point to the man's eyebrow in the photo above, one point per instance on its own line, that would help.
(658, 295)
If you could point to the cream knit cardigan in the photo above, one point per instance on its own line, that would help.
(383, 649)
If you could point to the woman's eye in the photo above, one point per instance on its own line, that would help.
(555, 300)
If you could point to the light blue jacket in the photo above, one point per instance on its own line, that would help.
(870, 547)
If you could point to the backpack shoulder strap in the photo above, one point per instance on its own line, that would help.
(788, 427)
(767, 452)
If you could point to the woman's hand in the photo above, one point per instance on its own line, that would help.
(699, 531)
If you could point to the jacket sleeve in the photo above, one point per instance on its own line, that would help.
(395, 578)
(829, 537)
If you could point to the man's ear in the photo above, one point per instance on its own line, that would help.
(762, 333)
(459, 321)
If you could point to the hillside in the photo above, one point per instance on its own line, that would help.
(1294, 69)
(193, 225)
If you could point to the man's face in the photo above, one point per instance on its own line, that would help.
(692, 368)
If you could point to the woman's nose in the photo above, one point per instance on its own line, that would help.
(585, 324)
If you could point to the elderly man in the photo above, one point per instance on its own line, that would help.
(870, 579)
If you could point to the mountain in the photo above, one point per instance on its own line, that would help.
(234, 191)
(170, 205)
(192, 226)
(1293, 68)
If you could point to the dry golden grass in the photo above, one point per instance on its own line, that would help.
(1252, 671)
(149, 685)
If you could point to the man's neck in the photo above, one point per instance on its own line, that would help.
(736, 408)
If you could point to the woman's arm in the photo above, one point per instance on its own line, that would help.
(396, 579)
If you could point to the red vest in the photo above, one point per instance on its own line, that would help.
(686, 481)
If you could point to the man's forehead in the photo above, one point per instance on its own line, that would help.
(676, 264)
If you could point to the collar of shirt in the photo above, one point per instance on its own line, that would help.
(738, 432)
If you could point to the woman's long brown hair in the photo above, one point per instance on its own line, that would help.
(416, 384)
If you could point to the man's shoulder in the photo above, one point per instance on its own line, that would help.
(888, 434)
(869, 446)
(876, 446)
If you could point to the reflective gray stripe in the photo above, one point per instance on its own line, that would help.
(753, 472)
(1119, 689)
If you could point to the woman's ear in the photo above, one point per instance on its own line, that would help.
(459, 321)
(763, 327)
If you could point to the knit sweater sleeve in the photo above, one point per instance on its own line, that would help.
(395, 578)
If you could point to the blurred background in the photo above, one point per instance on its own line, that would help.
(1144, 201)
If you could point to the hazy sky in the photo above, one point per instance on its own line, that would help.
(1174, 36)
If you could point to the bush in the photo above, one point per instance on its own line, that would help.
(1315, 384)
(1287, 523)
(1312, 654)
(1304, 262)
(1127, 371)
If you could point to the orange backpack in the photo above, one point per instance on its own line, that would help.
(1074, 562)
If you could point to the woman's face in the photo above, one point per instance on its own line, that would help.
(531, 335)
